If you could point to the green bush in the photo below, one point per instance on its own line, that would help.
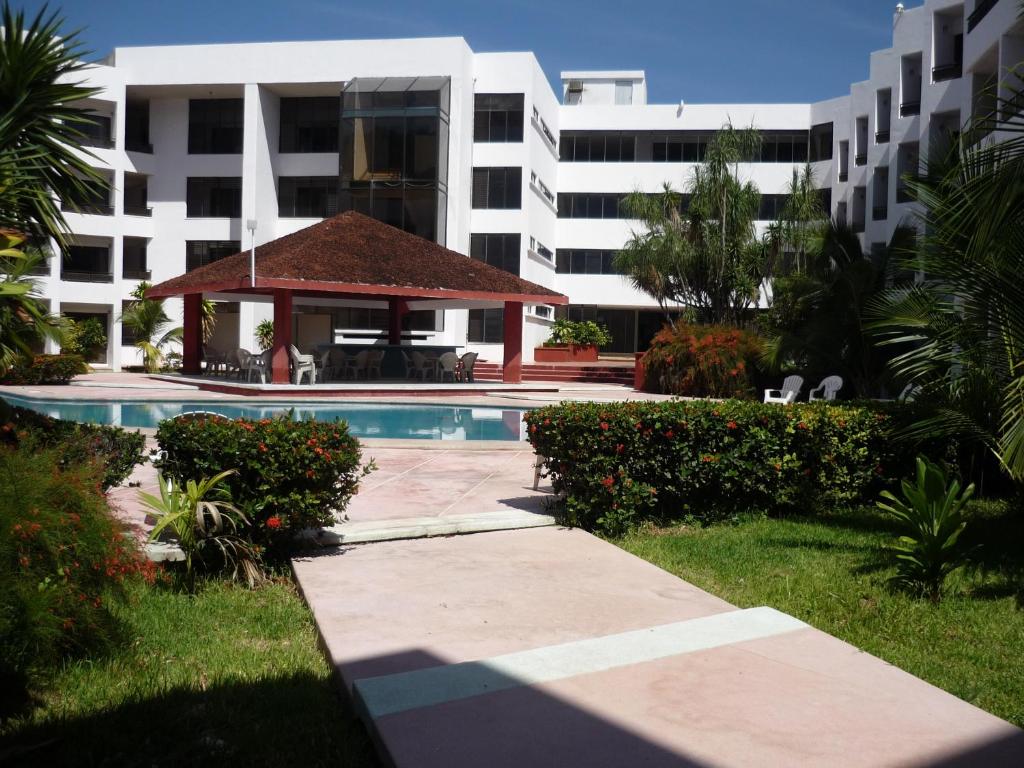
(86, 337)
(620, 464)
(46, 369)
(116, 450)
(290, 474)
(62, 559)
(702, 361)
(583, 333)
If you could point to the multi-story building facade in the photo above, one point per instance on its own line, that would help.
(212, 149)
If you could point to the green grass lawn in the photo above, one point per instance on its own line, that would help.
(831, 572)
(226, 677)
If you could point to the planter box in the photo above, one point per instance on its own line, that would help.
(572, 353)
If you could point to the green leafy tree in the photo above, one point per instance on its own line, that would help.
(24, 319)
(960, 329)
(265, 334)
(800, 224)
(707, 258)
(41, 154)
(152, 326)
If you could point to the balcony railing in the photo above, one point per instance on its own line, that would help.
(880, 213)
(947, 72)
(137, 210)
(881, 137)
(95, 209)
(981, 9)
(74, 276)
(910, 108)
(132, 273)
(861, 159)
(844, 175)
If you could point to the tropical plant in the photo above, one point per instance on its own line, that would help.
(208, 318)
(581, 332)
(702, 361)
(802, 218)
(265, 334)
(707, 257)
(931, 520)
(85, 337)
(959, 330)
(149, 320)
(24, 320)
(41, 159)
(207, 527)
(816, 323)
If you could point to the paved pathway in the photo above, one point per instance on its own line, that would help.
(550, 647)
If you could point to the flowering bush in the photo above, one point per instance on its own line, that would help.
(63, 558)
(116, 450)
(702, 361)
(620, 464)
(289, 474)
(565, 332)
(46, 369)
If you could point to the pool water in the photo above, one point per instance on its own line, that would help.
(420, 422)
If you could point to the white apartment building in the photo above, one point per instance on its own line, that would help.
(202, 143)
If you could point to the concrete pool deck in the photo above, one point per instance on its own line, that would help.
(550, 647)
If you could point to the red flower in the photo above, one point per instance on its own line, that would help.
(801, 425)
(670, 434)
(620, 448)
(732, 425)
(608, 482)
(604, 425)
(263, 447)
(274, 522)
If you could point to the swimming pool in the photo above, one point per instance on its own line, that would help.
(385, 420)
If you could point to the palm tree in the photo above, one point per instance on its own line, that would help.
(40, 128)
(706, 257)
(150, 322)
(962, 326)
(800, 224)
(24, 319)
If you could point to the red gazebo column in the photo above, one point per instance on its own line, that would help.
(512, 367)
(397, 309)
(282, 335)
(192, 334)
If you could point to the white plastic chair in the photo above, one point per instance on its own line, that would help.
(468, 361)
(827, 390)
(447, 364)
(302, 364)
(421, 366)
(373, 363)
(357, 365)
(787, 393)
(250, 364)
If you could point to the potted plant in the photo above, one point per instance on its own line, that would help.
(573, 341)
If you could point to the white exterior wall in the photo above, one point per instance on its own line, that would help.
(264, 72)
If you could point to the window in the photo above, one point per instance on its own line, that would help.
(591, 147)
(486, 326)
(93, 197)
(129, 335)
(588, 205)
(198, 253)
(623, 91)
(96, 132)
(498, 117)
(578, 261)
(134, 264)
(821, 142)
(312, 197)
(771, 207)
(215, 126)
(215, 196)
(497, 188)
(89, 263)
(136, 127)
(309, 124)
(501, 251)
(784, 147)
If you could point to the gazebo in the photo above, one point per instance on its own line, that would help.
(352, 256)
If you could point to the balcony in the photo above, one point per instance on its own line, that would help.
(133, 145)
(910, 108)
(844, 175)
(134, 273)
(981, 9)
(94, 209)
(861, 159)
(137, 210)
(881, 137)
(947, 72)
(73, 276)
(880, 213)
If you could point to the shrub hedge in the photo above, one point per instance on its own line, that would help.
(702, 361)
(620, 464)
(62, 560)
(46, 369)
(116, 450)
(291, 474)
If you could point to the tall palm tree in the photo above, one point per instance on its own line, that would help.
(152, 326)
(962, 326)
(24, 319)
(800, 224)
(40, 125)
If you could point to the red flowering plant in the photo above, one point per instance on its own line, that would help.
(63, 561)
(702, 361)
(289, 474)
(620, 464)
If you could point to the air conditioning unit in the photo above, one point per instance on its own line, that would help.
(575, 86)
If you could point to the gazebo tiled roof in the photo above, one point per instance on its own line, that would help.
(354, 254)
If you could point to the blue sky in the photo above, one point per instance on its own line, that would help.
(734, 51)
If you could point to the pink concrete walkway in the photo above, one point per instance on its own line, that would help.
(550, 647)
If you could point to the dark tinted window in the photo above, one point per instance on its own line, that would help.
(215, 126)
(580, 261)
(498, 250)
(217, 196)
(309, 124)
(486, 326)
(200, 252)
(498, 117)
(497, 188)
(307, 196)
